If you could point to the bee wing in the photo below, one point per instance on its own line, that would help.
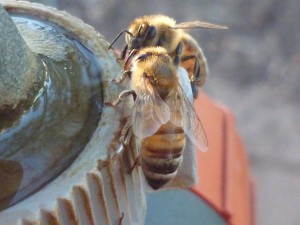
(149, 113)
(176, 112)
(184, 115)
(198, 24)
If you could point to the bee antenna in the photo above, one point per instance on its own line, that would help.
(119, 36)
(140, 28)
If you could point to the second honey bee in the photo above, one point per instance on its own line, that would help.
(162, 116)
(161, 30)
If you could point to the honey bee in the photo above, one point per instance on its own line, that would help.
(161, 30)
(162, 115)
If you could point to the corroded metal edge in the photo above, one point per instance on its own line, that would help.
(83, 194)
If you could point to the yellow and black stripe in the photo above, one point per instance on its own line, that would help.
(161, 154)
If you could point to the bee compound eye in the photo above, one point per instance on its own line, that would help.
(134, 44)
(142, 56)
(151, 32)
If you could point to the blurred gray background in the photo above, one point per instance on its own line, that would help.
(254, 69)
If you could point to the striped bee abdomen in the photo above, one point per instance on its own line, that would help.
(161, 155)
(191, 47)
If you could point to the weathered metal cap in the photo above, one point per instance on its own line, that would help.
(91, 188)
(83, 193)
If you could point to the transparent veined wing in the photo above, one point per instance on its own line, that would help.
(198, 24)
(184, 115)
(174, 99)
(149, 113)
(175, 104)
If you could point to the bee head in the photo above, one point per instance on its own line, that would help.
(143, 37)
(152, 79)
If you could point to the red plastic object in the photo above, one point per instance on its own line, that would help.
(224, 179)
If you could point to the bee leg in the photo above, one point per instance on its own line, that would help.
(196, 78)
(121, 219)
(123, 53)
(125, 133)
(135, 164)
(131, 54)
(124, 142)
(194, 90)
(196, 73)
(178, 52)
(196, 70)
(124, 139)
(125, 74)
(102, 164)
(121, 96)
(125, 136)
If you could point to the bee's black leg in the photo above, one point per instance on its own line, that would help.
(196, 73)
(123, 53)
(178, 52)
(135, 164)
(121, 219)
